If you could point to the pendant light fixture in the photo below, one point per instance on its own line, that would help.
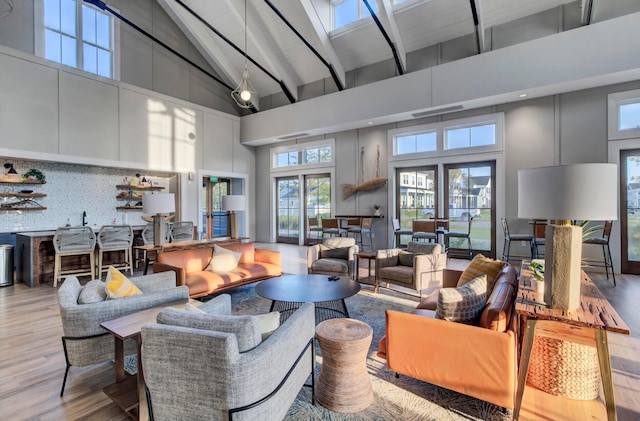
(244, 95)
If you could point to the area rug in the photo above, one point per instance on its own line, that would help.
(402, 398)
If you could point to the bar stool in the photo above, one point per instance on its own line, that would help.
(115, 238)
(73, 241)
(181, 230)
(508, 238)
(147, 237)
(364, 228)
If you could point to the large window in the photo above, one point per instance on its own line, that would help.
(346, 12)
(76, 34)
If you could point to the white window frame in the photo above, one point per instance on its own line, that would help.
(615, 100)
(439, 128)
(300, 148)
(361, 19)
(39, 35)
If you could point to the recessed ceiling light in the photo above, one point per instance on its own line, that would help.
(523, 95)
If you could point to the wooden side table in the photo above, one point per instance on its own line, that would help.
(344, 384)
(370, 257)
(588, 325)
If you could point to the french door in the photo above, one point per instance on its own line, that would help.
(469, 193)
(317, 199)
(630, 211)
(417, 190)
(288, 210)
(214, 219)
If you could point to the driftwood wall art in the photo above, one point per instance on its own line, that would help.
(372, 184)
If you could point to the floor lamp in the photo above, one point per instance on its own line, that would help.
(233, 203)
(563, 193)
(158, 205)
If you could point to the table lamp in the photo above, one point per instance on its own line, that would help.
(233, 203)
(158, 205)
(564, 193)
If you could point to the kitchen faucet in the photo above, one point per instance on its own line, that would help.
(84, 218)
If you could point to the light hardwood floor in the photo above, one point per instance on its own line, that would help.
(32, 361)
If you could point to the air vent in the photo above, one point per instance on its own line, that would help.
(438, 111)
(293, 136)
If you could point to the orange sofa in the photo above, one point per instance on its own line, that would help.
(478, 361)
(190, 268)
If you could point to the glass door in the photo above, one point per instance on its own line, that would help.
(317, 192)
(417, 196)
(287, 210)
(470, 194)
(214, 219)
(630, 211)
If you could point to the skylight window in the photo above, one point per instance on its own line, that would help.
(345, 12)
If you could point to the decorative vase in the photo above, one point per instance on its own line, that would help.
(377, 212)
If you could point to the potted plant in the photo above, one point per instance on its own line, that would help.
(34, 174)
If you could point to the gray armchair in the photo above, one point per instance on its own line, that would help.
(335, 256)
(198, 367)
(419, 267)
(84, 341)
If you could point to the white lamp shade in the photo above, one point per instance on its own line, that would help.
(233, 202)
(578, 191)
(153, 204)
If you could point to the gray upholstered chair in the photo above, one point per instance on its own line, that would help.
(84, 341)
(211, 367)
(419, 267)
(335, 256)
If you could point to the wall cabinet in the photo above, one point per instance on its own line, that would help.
(133, 195)
(21, 200)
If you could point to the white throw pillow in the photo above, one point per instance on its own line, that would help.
(93, 292)
(223, 260)
(269, 322)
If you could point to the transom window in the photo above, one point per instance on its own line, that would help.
(345, 12)
(470, 136)
(312, 154)
(76, 34)
(419, 142)
(629, 115)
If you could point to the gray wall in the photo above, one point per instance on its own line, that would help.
(142, 62)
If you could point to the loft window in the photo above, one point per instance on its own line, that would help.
(470, 136)
(316, 154)
(345, 12)
(76, 34)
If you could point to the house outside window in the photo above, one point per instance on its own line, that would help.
(76, 34)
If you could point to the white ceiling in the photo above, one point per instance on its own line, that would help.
(412, 25)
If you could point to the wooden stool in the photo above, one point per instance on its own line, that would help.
(344, 384)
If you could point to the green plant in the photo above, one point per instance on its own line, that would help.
(37, 174)
(537, 266)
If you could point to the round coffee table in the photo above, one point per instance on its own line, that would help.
(344, 384)
(288, 292)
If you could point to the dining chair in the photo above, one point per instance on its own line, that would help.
(398, 232)
(603, 241)
(462, 235)
(363, 228)
(424, 230)
(331, 226)
(314, 228)
(115, 238)
(73, 241)
(509, 237)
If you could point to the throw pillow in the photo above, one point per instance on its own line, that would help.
(337, 253)
(481, 265)
(93, 292)
(118, 285)
(223, 260)
(269, 322)
(405, 258)
(463, 304)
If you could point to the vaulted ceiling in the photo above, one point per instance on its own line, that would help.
(289, 63)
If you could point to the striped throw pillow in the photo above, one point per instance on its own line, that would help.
(118, 285)
(463, 304)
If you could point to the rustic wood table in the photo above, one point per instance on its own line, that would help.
(128, 392)
(588, 325)
(344, 384)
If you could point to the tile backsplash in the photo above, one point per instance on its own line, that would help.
(71, 189)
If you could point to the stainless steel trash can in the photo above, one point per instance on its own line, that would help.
(6, 265)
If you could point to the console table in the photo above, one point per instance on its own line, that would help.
(588, 325)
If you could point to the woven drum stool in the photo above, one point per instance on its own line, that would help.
(344, 384)
(564, 368)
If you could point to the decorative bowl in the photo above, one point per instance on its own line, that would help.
(26, 191)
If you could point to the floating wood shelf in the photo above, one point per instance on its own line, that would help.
(128, 187)
(129, 197)
(20, 182)
(129, 208)
(7, 194)
(2, 208)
